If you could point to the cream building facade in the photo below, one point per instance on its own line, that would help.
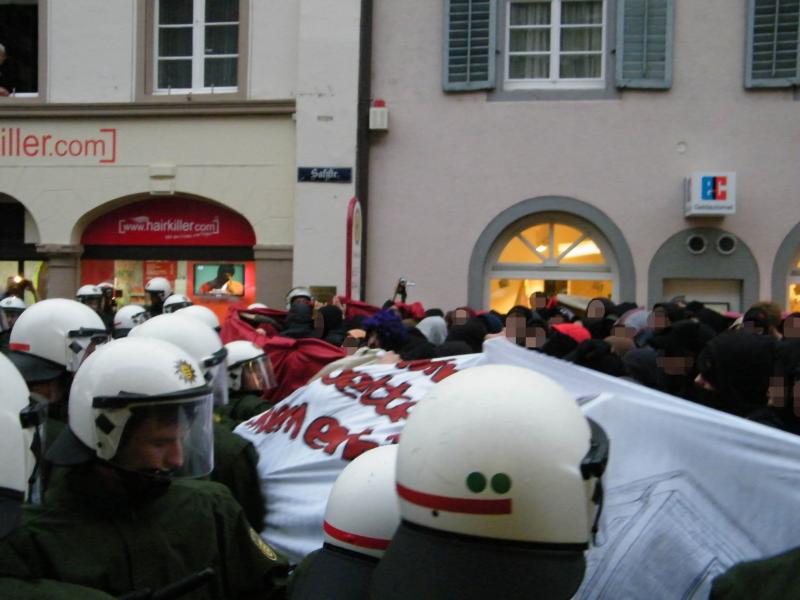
(177, 114)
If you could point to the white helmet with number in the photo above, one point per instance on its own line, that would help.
(176, 302)
(497, 471)
(128, 317)
(360, 520)
(57, 332)
(134, 383)
(298, 292)
(158, 287)
(196, 338)
(202, 313)
(249, 369)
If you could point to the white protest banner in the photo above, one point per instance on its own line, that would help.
(307, 439)
(689, 490)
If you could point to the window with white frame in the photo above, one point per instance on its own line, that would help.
(555, 44)
(196, 46)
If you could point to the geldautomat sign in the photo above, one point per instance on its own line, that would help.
(710, 194)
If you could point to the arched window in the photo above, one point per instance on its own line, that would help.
(553, 253)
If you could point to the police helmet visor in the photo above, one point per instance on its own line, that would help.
(92, 302)
(257, 375)
(169, 436)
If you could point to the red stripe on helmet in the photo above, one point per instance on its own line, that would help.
(20, 347)
(470, 506)
(355, 539)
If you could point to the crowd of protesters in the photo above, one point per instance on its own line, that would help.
(743, 364)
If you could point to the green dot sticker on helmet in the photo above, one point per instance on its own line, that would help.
(501, 483)
(476, 482)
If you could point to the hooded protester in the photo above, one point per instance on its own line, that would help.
(677, 348)
(434, 329)
(734, 372)
(300, 322)
(601, 314)
(790, 326)
(783, 409)
(763, 318)
(332, 330)
(559, 344)
(385, 330)
(598, 356)
(473, 332)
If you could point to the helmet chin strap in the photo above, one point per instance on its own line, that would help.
(137, 486)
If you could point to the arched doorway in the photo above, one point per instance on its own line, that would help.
(554, 253)
(551, 244)
(706, 264)
(187, 240)
(786, 272)
(18, 255)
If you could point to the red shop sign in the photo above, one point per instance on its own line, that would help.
(169, 222)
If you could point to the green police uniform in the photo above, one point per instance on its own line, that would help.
(774, 578)
(241, 407)
(89, 536)
(47, 589)
(236, 467)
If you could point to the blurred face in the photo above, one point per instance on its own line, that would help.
(156, 298)
(156, 445)
(595, 310)
(93, 302)
(11, 318)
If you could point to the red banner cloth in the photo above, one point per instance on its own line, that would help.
(294, 362)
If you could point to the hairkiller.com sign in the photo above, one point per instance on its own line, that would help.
(710, 194)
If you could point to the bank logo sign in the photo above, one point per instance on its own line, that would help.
(714, 188)
(710, 194)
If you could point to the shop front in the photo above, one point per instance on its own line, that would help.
(204, 249)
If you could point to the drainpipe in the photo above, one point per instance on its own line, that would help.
(362, 130)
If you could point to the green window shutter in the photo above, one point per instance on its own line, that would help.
(644, 43)
(469, 44)
(773, 43)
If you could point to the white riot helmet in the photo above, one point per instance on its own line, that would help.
(11, 307)
(360, 520)
(53, 335)
(249, 368)
(197, 339)
(13, 472)
(176, 302)
(498, 474)
(202, 313)
(128, 317)
(134, 389)
(30, 413)
(90, 295)
(159, 289)
(298, 293)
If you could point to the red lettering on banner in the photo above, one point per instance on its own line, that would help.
(368, 392)
(325, 433)
(291, 418)
(437, 370)
(381, 403)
